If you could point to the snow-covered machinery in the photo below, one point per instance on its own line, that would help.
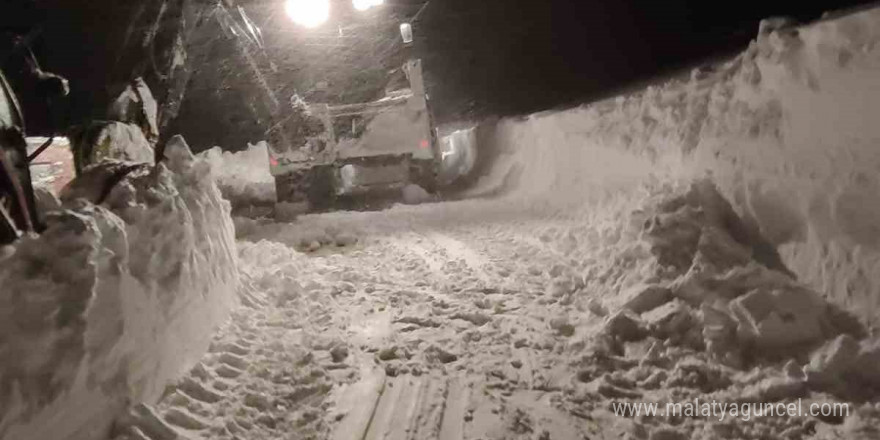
(17, 210)
(359, 148)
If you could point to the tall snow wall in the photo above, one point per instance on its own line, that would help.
(114, 301)
(788, 130)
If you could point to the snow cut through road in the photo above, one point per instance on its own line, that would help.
(492, 320)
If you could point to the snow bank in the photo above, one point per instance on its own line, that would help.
(243, 177)
(787, 130)
(113, 301)
(697, 276)
(690, 303)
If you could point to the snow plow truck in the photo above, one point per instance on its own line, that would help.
(358, 149)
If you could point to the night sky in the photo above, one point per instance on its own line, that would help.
(482, 57)
(511, 56)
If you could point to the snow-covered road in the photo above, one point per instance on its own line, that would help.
(476, 320)
(431, 325)
(711, 240)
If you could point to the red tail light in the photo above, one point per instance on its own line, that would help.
(425, 143)
(273, 161)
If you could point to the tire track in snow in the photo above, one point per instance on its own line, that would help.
(398, 302)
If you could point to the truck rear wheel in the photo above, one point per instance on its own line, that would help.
(320, 192)
(425, 174)
(311, 188)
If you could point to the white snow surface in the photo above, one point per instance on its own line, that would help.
(711, 238)
(107, 306)
(787, 130)
(243, 177)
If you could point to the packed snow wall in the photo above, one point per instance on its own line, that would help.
(114, 300)
(788, 130)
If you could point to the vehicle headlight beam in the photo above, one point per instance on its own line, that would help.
(308, 13)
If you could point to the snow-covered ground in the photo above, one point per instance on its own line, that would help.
(787, 130)
(486, 319)
(712, 239)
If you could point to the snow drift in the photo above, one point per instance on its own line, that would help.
(787, 130)
(114, 300)
(243, 177)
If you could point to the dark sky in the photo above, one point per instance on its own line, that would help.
(482, 57)
(515, 56)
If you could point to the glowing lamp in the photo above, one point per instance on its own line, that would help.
(406, 32)
(308, 13)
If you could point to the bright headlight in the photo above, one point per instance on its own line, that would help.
(309, 13)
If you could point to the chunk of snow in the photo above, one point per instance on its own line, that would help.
(114, 304)
(243, 176)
